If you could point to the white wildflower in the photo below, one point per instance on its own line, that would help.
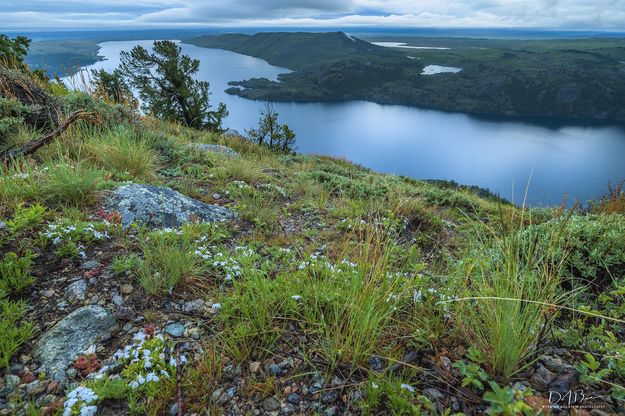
(407, 387)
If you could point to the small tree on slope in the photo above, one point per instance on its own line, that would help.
(272, 134)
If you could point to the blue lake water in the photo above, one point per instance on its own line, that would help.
(499, 154)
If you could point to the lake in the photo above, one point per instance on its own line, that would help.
(495, 153)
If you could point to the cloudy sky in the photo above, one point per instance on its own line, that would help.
(68, 14)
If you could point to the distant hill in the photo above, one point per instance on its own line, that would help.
(296, 51)
(62, 57)
(562, 78)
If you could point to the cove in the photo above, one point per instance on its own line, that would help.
(563, 158)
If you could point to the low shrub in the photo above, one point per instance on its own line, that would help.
(359, 188)
(70, 184)
(169, 259)
(593, 248)
(109, 114)
(15, 273)
(508, 290)
(14, 331)
(123, 153)
(18, 184)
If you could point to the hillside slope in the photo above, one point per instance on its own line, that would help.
(295, 51)
(538, 78)
(148, 268)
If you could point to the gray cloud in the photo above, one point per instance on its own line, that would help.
(573, 14)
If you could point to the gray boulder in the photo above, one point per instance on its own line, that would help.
(214, 148)
(161, 207)
(59, 346)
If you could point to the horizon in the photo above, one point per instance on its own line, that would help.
(103, 34)
(574, 15)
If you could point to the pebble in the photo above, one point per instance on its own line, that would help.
(376, 363)
(194, 333)
(89, 265)
(275, 370)
(331, 411)
(289, 409)
(555, 364)
(175, 329)
(47, 293)
(216, 394)
(36, 388)
(72, 373)
(329, 396)
(11, 381)
(193, 306)
(255, 367)
(117, 299)
(76, 291)
(293, 398)
(543, 378)
(52, 387)
(270, 404)
(127, 289)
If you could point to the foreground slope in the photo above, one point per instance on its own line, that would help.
(320, 287)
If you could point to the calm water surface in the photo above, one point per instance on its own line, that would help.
(496, 154)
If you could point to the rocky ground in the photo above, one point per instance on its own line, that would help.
(90, 318)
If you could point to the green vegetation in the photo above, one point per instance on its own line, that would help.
(112, 86)
(62, 57)
(508, 287)
(272, 134)
(124, 153)
(13, 51)
(168, 260)
(544, 78)
(166, 86)
(14, 331)
(356, 291)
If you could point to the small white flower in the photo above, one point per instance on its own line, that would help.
(216, 305)
(407, 387)
(139, 336)
(88, 410)
(151, 377)
(296, 297)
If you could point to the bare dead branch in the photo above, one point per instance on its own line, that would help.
(33, 145)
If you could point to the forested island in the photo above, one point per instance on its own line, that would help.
(563, 78)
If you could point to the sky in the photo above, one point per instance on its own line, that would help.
(92, 14)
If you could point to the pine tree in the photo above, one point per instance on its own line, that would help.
(164, 80)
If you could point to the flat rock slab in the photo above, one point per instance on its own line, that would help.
(59, 346)
(214, 148)
(155, 207)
